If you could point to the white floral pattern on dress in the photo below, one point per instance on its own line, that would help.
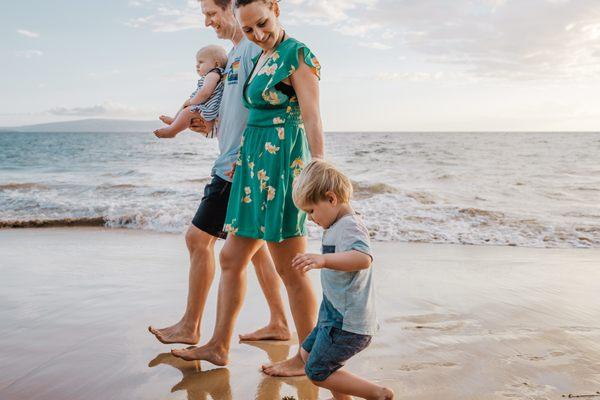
(271, 148)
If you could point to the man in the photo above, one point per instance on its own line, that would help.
(207, 224)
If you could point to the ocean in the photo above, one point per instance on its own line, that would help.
(516, 189)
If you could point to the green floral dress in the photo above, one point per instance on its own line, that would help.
(273, 151)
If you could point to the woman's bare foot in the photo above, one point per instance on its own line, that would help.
(178, 333)
(212, 354)
(165, 133)
(291, 367)
(269, 332)
(166, 119)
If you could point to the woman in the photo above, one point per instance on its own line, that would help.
(283, 131)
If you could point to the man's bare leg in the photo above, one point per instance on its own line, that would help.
(303, 302)
(234, 258)
(202, 271)
(270, 283)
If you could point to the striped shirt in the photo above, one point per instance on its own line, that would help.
(210, 108)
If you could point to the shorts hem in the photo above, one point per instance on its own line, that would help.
(252, 235)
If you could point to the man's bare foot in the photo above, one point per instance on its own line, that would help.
(165, 133)
(291, 367)
(269, 332)
(214, 355)
(166, 119)
(177, 333)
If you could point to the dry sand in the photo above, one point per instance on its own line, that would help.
(458, 322)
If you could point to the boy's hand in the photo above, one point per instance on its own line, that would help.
(306, 262)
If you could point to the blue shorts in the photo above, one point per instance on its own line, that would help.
(329, 348)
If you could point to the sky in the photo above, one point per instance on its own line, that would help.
(388, 65)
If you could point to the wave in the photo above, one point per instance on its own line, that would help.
(363, 189)
(54, 223)
(22, 186)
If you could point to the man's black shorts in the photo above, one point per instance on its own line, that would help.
(210, 216)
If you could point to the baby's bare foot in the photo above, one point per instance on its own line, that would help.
(212, 354)
(269, 332)
(166, 119)
(164, 133)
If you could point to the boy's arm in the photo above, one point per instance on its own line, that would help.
(210, 83)
(347, 261)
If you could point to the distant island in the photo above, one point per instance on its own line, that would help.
(88, 125)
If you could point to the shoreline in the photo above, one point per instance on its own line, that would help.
(457, 322)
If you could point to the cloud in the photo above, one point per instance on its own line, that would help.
(375, 45)
(105, 109)
(169, 18)
(29, 53)
(27, 33)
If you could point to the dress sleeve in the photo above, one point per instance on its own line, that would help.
(283, 64)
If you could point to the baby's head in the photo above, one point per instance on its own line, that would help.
(210, 57)
(321, 190)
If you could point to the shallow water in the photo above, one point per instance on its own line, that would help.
(520, 189)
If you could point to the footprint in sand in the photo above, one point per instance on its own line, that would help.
(526, 390)
(424, 365)
(544, 357)
(436, 322)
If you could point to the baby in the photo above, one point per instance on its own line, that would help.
(347, 314)
(210, 64)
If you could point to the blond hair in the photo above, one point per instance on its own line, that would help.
(318, 178)
(216, 53)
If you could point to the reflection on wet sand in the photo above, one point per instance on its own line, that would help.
(198, 384)
(216, 382)
(269, 387)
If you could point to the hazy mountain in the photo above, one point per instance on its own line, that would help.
(90, 125)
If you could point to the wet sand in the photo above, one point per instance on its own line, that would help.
(458, 322)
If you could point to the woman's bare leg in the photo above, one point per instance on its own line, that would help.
(234, 258)
(303, 302)
(270, 283)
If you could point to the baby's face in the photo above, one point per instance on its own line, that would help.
(204, 64)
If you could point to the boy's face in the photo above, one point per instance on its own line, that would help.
(221, 20)
(323, 213)
(203, 63)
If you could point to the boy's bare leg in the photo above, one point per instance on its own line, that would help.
(234, 258)
(303, 302)
(180, 123)
(270, 283)
(202, 271)
(344, 384)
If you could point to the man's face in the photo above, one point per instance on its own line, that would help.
(222, 21)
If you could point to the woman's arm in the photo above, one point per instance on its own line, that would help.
(306, 86)
(210, 83)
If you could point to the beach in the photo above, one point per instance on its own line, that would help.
(457, 321)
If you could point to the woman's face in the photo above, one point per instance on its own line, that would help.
(260, 23)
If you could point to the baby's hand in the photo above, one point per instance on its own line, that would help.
(306, 262)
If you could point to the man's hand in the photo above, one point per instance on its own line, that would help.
(306, 262)
(198, 125)
(230, 173)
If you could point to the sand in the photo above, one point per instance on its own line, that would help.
(457, 322)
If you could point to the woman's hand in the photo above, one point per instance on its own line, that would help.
(306, 262)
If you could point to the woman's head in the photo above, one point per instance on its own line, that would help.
(260, 21)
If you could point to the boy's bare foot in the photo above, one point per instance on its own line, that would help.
(386, 394)
(164, 133)
(166, 119)
(212, 354)
(291, 367)
(177, 333)
(269, 332)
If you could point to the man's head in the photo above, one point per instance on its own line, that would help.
(218, 14)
